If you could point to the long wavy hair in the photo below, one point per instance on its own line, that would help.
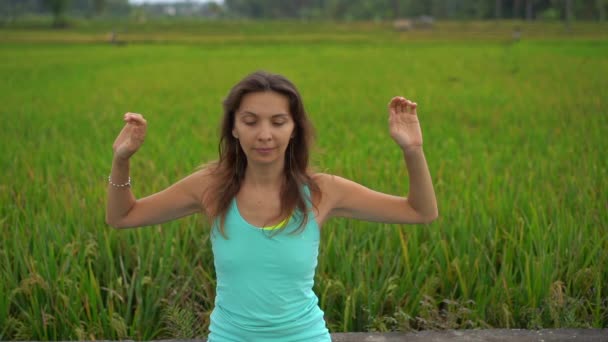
(228, 172)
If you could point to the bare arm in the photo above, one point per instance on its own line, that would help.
(422, 194)
(178, 200)
(345, 198)
(120, 199)
(348, 199)
(123, 209)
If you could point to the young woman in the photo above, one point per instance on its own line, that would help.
(267, 208)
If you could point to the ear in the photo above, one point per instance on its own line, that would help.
(236, 136)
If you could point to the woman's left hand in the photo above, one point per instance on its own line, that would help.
(403, 123)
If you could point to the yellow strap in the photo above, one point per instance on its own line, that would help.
(278, 225)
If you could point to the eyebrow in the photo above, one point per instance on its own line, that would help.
(246, 112)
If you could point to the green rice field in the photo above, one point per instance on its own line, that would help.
(515, 134)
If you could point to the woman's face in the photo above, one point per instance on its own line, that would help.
(264, 126)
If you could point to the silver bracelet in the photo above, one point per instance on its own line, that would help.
(128, 183)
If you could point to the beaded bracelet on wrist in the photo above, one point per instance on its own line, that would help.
(128, 183)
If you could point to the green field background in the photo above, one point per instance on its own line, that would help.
(515, 134)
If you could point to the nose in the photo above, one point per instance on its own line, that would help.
(265, 133)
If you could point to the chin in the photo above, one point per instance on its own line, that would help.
(264, 160)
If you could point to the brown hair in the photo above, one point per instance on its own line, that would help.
(228, 172)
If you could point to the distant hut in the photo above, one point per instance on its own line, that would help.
(403, 25)
(425, 22)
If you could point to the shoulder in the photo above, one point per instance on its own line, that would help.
(320, 180)
(200, 177)
(198, 182)
(332, 193)
(328, 183)
(337, 188)
(330, 186)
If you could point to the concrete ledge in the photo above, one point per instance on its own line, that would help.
(491, 335)
(494, 335)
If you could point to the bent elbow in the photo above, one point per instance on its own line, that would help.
(433, 218)
(114, 224)
(427, 219)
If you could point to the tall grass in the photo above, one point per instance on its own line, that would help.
(515, 137)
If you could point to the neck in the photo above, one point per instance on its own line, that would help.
(267, 176)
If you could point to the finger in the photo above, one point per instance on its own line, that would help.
(403, 104)
(132, 122)
(129, 115)
(135, 118)
(393, 103)
(408, 106)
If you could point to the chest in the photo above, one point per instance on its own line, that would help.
(255, 252)
(250, 251)
(258, 208)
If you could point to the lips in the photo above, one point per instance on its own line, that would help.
(265, 149)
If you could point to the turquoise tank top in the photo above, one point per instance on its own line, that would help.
(264, 282)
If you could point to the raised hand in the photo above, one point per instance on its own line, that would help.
(131, 137)
(403, 123)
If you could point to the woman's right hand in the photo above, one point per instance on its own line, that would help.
(131, 137)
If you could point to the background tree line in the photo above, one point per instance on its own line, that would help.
(77, 7)
(440, 9)
(325, 9)
(13, 9)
